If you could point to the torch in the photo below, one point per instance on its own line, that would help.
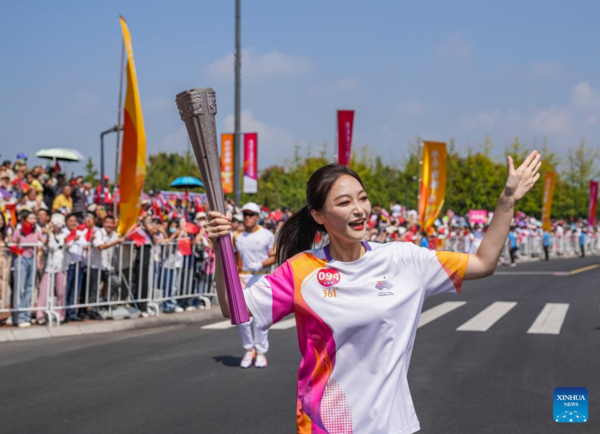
(197, 108)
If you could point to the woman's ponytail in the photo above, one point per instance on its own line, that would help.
(296, 235)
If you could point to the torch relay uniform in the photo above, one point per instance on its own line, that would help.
(253, 248)
(356, 324)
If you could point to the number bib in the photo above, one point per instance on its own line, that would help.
(328, 277)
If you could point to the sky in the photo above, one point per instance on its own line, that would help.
(437, 70)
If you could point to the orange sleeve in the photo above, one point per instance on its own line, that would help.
(455, 265)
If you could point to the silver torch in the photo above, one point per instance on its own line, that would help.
(197, 108)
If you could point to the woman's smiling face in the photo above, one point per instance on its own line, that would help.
(345, 211)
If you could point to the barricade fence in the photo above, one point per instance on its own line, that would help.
(52, 285)
(55, 282)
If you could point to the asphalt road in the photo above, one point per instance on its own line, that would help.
(186, 379)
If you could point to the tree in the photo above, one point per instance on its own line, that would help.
(91, 174)
(580, 169)
(164, 167)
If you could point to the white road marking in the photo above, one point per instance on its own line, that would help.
(550, 319)
(285, 324)
(219, 325)
(487, 317)
(438, 311)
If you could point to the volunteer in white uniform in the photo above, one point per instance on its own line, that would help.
(255, 247)
(357, 305)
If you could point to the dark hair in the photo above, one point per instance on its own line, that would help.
(70, 216)
(109, 216)
(298, 232)
(4, 229)
(24, 214)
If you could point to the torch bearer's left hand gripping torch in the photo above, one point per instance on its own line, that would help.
(198, 108)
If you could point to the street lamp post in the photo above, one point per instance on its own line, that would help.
(237, 134)
(114, 129)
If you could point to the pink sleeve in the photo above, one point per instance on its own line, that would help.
(272, 297)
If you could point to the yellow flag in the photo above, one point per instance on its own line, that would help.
(432, 191)
(133, 154)
(549, 178)
(227, 162)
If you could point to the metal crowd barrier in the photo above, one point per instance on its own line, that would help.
(152, 278)
(155, 278)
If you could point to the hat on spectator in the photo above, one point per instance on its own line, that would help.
(252, 207)
(92, 207)
(200, 215)
(238, 217)
(58, 219)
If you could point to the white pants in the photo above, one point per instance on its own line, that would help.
(260, 340)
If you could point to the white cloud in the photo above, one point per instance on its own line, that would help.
(455, 47)
(275, 144)
(546, 70)
(569, 122)
(175, 141)
(340, 86)
(585, 96)
(346, 84)
(412, 108)
(160, 105)
(255, 66)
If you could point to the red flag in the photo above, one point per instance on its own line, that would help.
(593, 201)
(137, 238)
(345, 124)
(89, 234)
(191, 228)
(250, 162)
(16, 250)
(72, 236)
(185, 246)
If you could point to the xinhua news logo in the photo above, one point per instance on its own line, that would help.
(570, 404)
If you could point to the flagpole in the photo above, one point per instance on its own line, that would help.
(119, 128)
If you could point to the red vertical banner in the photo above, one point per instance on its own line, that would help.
(345, 121)
(227, 162)
(593, 202)
(251, 163)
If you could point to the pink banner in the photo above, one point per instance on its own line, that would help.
(478, 216)
(593, 201)
(345, 124)
(251, 163)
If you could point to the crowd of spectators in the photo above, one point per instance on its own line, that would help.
(59, 246)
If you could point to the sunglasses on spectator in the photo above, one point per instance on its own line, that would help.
(250, 214)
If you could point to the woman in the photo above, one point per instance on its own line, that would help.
(5, 261)
(357, 304)
(172, 262)
(54, 279)
(27, 239)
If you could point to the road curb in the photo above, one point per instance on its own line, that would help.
(11, 334)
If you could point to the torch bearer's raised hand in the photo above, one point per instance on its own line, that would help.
(521, 180)
(218, 225)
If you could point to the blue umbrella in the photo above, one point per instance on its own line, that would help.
(187, 182)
